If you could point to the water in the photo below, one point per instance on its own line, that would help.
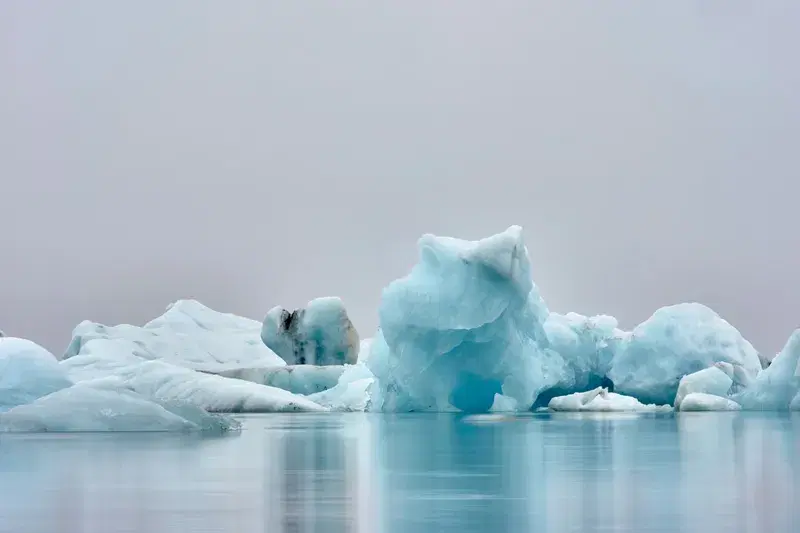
(703, 472)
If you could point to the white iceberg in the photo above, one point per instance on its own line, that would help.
(108, 407)
(716, 380)
(321, 334)
(27, 372)
(188, 334)
(700, 401)
(600, 400)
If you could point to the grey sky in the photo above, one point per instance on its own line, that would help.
(256, 153)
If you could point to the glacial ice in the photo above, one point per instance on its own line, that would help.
(462, 327)
(776, 387)
(716, 379)
(161, 381)
(321, 334)
(84, 407)
(299, 379)
(676, 341)
(188, 334)
(701, 401)
(27, 372)
(600, 400)
(465, 330)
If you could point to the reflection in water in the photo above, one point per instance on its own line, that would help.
(709, 472)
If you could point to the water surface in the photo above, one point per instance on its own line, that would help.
(370, 473)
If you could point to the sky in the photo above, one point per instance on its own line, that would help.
(251, 154)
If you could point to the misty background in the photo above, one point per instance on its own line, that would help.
(253, 153)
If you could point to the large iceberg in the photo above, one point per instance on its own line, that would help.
(465, 325)
(27, 372)
(188, 334)
(676, 341)
(321, 334)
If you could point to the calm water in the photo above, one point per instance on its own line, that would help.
(704, 472)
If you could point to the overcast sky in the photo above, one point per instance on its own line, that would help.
(256, 153)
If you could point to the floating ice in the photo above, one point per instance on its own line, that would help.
(716, 380)
(299, 379)
(776, 387)
(161, 381)
(600, 399)
(676, 341)
(467, 330)
(105, 408)
(321, 334)
(188, 334)
(27, 372)
(700, 401)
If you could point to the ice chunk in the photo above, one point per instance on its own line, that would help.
(716, 380)
(674, 342)
(105, 408)
(27, 372)
(353, 392)
(164, 382)
(321, 334)
(299, 379)
(464, 325)
(503, 404)
(600, 399)
(775, 387)
(187, 334)
(700, 401)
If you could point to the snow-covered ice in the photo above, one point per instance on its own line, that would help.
(700, 401)
(188, 334)
(600, 400)
(320, 334)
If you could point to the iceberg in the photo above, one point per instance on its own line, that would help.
(460, 328)
(677, 341)
(601, 400)
(775, 387)
(84, 407)
(321, 334)
(716, 380)
(161, 381)
(27, 372)
(188, 334)
(700, 401)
